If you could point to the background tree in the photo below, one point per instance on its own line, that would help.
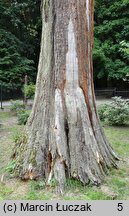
(64, 135)
(111, 27)
(20, 25)
(19, 40)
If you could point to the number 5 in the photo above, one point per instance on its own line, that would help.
(120, 207)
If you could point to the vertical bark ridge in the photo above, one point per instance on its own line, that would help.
(38, 126)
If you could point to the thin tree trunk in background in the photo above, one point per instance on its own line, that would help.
(25, 84)
(65, 138)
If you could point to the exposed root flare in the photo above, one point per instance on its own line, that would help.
(59, 174)
(77, 152)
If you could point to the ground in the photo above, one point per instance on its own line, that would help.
(115, 185)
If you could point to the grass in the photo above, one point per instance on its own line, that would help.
(5, 191)
(119, 138)
(115, 185)
(118, 180)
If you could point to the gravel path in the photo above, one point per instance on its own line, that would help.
(7, 104)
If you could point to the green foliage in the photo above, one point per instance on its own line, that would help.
(29, 91)
(101, 111)
(13, 65)
(17, 106)
(22, 117)
(11, 166)
(20, 26)
(53, 182)
(125, 47)
(37, 185)
(116, 112)
(111, 27)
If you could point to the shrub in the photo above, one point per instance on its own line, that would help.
(16, 106)
(22, 117)
(116, 112)
(29, 91)
(101, 111)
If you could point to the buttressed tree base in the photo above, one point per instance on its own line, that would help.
(64, 135)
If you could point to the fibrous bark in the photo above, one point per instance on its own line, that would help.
(65, 138)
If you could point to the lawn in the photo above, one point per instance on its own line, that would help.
(115, 185)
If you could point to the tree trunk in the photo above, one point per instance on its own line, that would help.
(65, 138)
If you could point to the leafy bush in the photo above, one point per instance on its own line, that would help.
(101, 111)
(29, 91)
(16, 106)
(22, 117)
(116, 112)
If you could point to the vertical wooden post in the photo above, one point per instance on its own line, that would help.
(1, 96)
(25, 84)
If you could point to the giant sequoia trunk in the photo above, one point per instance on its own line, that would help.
(65, 138)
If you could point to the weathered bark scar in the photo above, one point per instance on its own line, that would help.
(87, 159)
